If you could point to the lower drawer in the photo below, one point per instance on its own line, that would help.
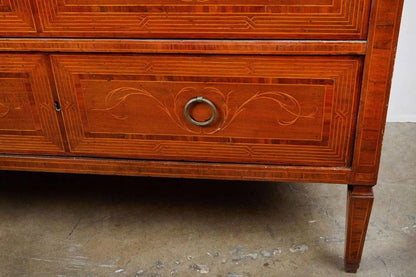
(245, 109)
(28, 120)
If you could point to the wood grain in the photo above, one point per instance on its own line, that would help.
(359, 203)
(28, 121)
(174, 169)
(378, 71)
(280, 110)
(189, 46)
(279, 19)
(16, 18)
(309, 108)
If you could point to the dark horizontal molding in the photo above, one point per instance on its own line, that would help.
(175, 169)
(253, 47)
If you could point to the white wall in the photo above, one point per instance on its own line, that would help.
(402, 106)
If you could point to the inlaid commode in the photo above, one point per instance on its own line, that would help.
(264, 90)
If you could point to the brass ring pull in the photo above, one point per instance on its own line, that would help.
(200, 99)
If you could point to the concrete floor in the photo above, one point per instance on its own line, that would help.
(71, 225)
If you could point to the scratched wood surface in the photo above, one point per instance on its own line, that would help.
(280, 110)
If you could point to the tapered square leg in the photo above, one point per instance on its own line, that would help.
(359, 204)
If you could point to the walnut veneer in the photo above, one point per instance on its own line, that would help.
(282, 90)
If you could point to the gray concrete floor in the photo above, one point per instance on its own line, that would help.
(74, 225)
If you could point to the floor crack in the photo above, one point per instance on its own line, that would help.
(74, 227)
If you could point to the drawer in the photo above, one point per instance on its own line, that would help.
(28, 120)
(278, 19)
(16, 18)
(269, 109)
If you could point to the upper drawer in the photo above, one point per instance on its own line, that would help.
(277, 19)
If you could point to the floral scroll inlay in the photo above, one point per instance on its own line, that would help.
(288, 104)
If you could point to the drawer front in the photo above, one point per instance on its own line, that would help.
(28, 121)
(16, 18)
(278, 110)
(280, 19)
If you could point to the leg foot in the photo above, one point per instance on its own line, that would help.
(359, 204)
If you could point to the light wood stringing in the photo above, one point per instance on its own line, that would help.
(278, 19)
(277, 110)
(28, 121)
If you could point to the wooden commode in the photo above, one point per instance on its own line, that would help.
(264, 90)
